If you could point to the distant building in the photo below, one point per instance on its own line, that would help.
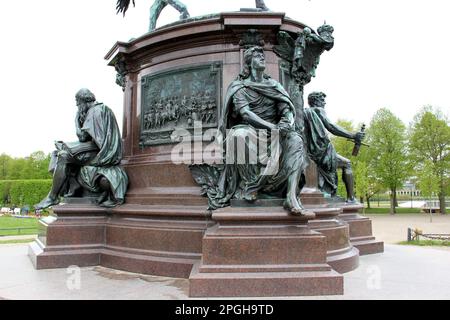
(409, 189)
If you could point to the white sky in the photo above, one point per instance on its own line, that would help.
(388, 53)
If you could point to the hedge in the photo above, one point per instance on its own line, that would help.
(23, 192)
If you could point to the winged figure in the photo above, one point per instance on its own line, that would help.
(304, 52)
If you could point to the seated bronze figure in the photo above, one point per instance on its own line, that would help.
(92, 163)
(254, 103)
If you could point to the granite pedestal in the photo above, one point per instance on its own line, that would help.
(254, 252)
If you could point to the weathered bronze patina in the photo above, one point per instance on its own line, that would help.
(91, 163)
(256, 102)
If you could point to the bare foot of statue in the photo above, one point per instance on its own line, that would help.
(251, 197)
(293, 205)
(46, 203)
(298, 210)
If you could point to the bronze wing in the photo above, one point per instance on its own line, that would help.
(286, 46)
(122, 5)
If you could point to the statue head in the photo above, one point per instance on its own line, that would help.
(254, 58)
(85, 95)
(306, 31)
(317, 100)
(84, 99)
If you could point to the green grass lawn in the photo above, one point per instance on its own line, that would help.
(427, 243)
(11, 222)
(388, 210)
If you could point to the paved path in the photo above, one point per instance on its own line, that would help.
(394, 229)
(17, 238)
(402, 272)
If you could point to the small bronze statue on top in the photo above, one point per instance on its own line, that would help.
(92, 163)
(159, 5)
(156, 9)
(261, 5)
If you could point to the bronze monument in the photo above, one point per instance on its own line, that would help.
(236, 229)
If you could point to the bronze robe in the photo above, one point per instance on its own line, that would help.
(268, 100)
(101, 125)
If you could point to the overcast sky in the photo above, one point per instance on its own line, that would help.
(393, 54)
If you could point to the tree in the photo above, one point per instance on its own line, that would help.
(38, 161)
(33, 167)
(429, 142)
(344, 148)
(387, 137)
(428, 181)
(366, 183)
(19, 169)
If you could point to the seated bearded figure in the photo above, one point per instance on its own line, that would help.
(92, 163)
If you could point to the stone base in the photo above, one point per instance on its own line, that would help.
(368, 245)
(342, 256)
(263, 252)
(140, 239)
(273, 283)
(361, 235)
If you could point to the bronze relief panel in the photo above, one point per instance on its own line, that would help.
(177, 99)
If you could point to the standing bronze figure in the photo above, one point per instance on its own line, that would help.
(321, 150)
(156, 9)
(261, 5)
